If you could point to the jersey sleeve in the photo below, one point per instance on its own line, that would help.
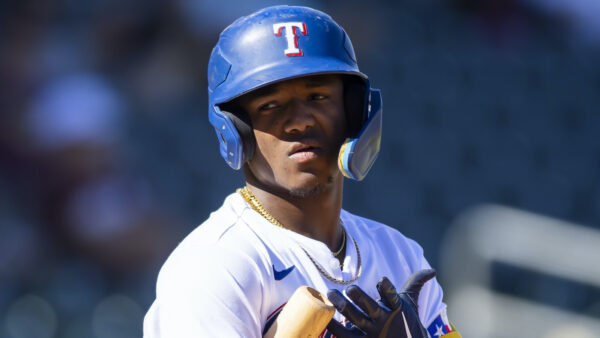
(213, 292)
(432, 309)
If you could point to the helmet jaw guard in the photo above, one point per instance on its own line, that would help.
(230, 140)
(358, 154)
(272, 45)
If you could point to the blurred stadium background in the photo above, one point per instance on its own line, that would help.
(107, 159)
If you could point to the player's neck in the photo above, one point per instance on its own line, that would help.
(315, 216)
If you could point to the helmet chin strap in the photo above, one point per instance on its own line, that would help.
(358, 154)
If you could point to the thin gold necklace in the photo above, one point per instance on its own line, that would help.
(255, 204)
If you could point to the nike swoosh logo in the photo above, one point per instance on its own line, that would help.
(279, 275)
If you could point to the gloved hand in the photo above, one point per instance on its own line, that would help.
(394, 315)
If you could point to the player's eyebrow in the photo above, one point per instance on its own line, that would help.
(314, 82)
(319, 81)
(265, 91)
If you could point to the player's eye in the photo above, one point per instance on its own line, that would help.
(267, 106)
(317, 97)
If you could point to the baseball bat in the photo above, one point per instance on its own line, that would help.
(305, 315)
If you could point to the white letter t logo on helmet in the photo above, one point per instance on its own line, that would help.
(291, 36)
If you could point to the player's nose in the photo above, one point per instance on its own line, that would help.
(299, 116)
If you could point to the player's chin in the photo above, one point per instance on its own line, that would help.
(306, 192)
(310, 185)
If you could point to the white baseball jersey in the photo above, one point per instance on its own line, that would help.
(231, 275)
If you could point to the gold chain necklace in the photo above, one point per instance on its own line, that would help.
(255, 204)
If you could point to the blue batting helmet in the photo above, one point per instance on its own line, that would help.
(279, 43)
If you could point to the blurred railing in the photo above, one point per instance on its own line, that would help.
(487, 237)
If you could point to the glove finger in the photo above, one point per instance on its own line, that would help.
(367, 304)
(349, 310)
(414, 283)
(340, 331)
(388, 293)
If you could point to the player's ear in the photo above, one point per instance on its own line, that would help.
(241, 121)
(354, 104)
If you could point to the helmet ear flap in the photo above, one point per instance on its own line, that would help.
(241, 121)
(355, 104)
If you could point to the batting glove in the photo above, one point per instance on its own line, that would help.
(394, 315)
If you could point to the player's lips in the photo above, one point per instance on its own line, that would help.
(305, 151)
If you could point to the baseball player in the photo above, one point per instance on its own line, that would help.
(291, 108)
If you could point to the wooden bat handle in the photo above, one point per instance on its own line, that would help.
(305, 315)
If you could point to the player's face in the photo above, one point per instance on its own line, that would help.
(299, 126)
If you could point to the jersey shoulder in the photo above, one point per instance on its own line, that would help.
(397, 257)
(213, 281)
(221, 245)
